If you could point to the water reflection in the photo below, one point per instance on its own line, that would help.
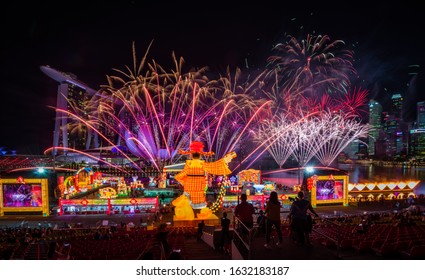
(373, 173)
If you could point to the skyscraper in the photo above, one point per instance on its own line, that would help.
(375, 122)
(396, 130)
(396, 105)
(72, 96)
(420, 114)
(417, 135)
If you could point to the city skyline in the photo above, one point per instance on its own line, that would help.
(95, 42)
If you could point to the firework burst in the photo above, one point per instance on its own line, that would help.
(323, 135)
(315, 65)
(156, 113)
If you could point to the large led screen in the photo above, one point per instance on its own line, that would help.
(329, 189)
(22, 195)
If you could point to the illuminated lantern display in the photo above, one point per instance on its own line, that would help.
(183, 210)
(20, 180)
(219, 202)
(193, 175)
(84, 202)
(133, 201)
(61, 185)
(249, 176)
(310, 183)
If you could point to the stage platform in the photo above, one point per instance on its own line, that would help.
(212, 220)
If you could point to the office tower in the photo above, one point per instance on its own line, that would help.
(375, 113)
(417, 135)
(396, 105)
(420, 114)
(396, 130)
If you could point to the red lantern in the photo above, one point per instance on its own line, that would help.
(309, 183)
(283, 197)
(133, 201)
(84, 202)
(20, 180)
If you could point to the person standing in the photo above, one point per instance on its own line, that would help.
(245, 211)
(301, 222)
(225, 232)
(273, 219)
(200, 230)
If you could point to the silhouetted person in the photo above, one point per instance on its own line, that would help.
(300, 223)
(244, 212)
(273, 219)
(225, 232)
(200, 230)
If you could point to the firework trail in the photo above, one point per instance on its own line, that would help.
(157, 112)
(334, 132)
(283, 144)
(321, 134)
(312, 66)
(311, 78)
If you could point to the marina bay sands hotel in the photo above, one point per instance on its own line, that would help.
(71, 136)
(71, 92)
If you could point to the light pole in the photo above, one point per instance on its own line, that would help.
(299, 162)
(54, 163)
(299, 174)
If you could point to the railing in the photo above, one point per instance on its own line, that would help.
(208, 235)
(244, 234)
(250, 233)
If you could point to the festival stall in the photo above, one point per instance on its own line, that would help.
(108, 206)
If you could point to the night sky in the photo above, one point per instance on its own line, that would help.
(90, 39)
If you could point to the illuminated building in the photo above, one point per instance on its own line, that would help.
(375, 112)
(421, 114)
(417, 143)
(417, 135)
(396, 105)
(71, 96)
(396, 130)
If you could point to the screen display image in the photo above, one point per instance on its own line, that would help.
(22, 195)
(329, 189)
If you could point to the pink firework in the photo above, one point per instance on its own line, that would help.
(157, 112)
(353, 102)
(312, 66)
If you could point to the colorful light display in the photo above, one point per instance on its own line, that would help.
(193, 176)
(24, 195)
(329, 189)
